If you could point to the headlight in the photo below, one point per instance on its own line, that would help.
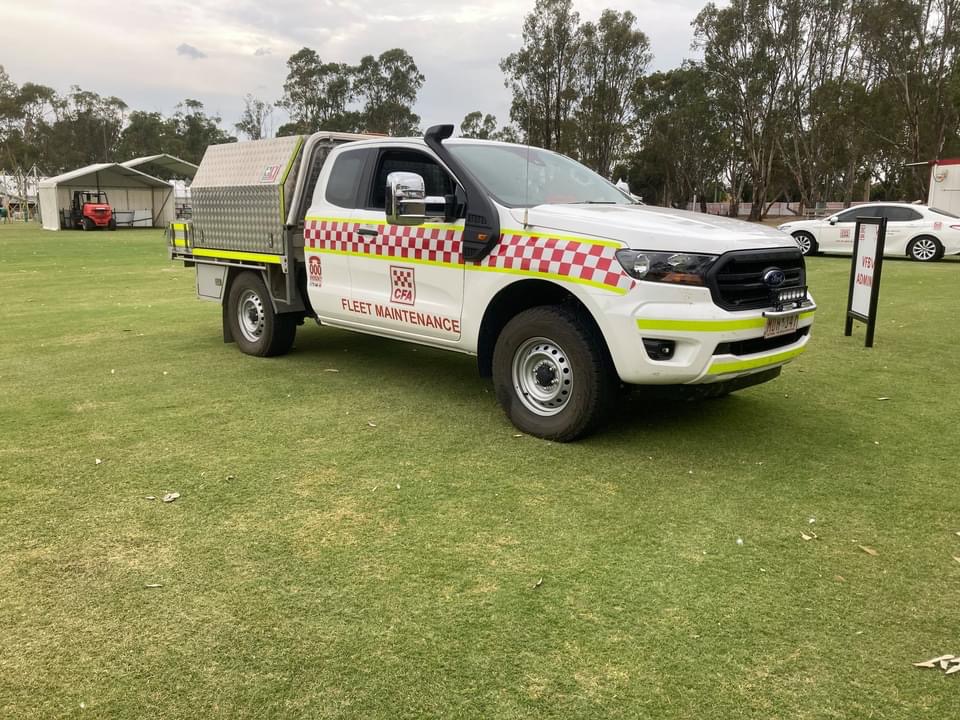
(681, 268)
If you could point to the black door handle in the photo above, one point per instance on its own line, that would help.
(368, 232)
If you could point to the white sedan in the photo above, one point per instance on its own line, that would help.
(915, 231)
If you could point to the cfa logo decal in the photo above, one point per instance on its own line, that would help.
(315, 271)
(403, 285)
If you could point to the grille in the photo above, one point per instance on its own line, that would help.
(757, 345)
(736, 281)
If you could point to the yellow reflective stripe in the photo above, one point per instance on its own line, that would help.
(396, 259)
(232, 255)
(701, 325)
(283, 181)
(444, 226)
(381, 223)
(730, 366)
(571, 238)
(179, 226)
(551, 276)
(480, 268)
(709, 325)
(179, 243)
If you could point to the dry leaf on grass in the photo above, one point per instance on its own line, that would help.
(150, 497)
(153, 585)
(883, 398)
(371, 424)
(331, 370)
(170, 497)
(538, 583)
(951, 671)
(868, 550)
(811, 536)
(957, 558)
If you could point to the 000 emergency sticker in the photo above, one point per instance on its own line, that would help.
(315, 271)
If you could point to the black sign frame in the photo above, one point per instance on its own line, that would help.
(871, 318)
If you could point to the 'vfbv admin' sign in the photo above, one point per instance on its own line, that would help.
(870, 235)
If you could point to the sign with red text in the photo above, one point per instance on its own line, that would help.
(869, 239)
(865, 263)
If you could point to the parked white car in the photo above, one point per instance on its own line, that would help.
(915, 231)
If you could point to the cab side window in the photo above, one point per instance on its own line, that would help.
(435, 178)
(344, 179)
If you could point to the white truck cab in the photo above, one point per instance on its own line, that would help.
(562, 285)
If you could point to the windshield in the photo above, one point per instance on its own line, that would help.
(550, 178)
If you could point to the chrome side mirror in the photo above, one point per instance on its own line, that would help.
(407, 200)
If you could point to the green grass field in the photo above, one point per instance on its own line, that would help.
(368, 543)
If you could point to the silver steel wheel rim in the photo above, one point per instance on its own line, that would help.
(542, 376)
(250, 315)
(924, 249)
(804, 242)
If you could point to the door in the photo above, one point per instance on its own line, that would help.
(903, 223)
(408, 280)
(838, 236)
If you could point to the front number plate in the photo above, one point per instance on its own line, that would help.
(777, 326)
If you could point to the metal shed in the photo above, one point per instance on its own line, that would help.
(169, 163)
(146, 200)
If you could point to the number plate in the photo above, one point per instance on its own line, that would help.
(777, 326)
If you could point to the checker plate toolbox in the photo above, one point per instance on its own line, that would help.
(249, 199)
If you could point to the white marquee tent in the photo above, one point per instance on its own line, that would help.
(136, 198)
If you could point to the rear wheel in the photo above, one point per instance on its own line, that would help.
(808, 245)
(552, 375)
(112, 225)
(257, 329)
(925, 249)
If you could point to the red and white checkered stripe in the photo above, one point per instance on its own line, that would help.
(580, 261)
(392, 241)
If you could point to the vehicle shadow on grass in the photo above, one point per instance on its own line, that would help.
(654, 414)
(400, 363)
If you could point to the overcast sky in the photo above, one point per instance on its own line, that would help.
(153, 54)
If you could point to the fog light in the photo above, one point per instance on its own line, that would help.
(659, 349)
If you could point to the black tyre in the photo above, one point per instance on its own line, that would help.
(925, 248)
(256, 328)
(552, 374)
(87, 224)
(808, 245)
(112, 225)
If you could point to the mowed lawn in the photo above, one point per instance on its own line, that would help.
(377, 542)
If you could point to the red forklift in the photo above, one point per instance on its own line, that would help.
(91, 210)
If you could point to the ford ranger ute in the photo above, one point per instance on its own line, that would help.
(561, 285)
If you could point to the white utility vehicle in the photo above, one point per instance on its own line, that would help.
(563, 286)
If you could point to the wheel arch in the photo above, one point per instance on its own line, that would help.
(522, 295)
(921, 236)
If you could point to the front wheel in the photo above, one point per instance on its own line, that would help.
(808, 245)
(552, 374)
(925, 249)
(87, 224)
(257, 329)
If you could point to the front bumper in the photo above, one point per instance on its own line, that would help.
(710, 344)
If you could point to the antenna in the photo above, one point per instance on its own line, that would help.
(526, 180)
